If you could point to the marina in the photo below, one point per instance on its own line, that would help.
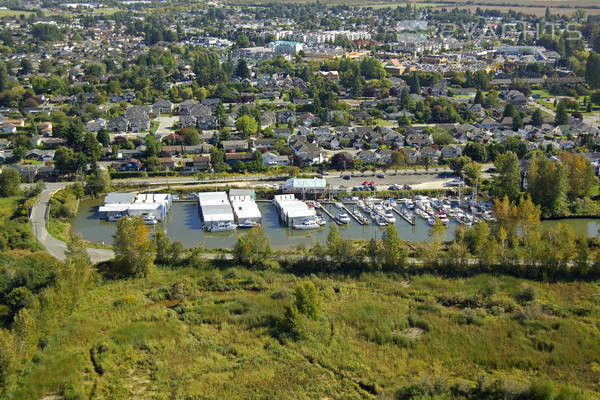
(214, 219)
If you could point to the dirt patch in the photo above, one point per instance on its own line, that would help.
(411, 333)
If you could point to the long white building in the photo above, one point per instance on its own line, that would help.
(118, 205)
(244, 206)
(215, 208)
(291, 210)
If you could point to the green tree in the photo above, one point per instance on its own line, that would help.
(547, 184)
(537, 119)
(458, 164)
(241, 70)
(580, 174)
(394, 252)
(508, 182)
(9, 182)
(103, 137)
(307, 300)
(253, 248)
(339, 251)
(153, 146)
(472, 172)
(134, 255)
(167, 252)
(592, 70)
(371, 68)
(217, 160)
(190, 136)
(98, 182)
(561, 117)
(246, 125)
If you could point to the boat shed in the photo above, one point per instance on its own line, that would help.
(312, 187)
(291, 210)
(244, 206)
(215, 208)
(119, 198)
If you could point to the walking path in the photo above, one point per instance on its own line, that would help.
(57, 248)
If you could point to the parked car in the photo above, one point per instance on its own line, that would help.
(381, 175)
(394, 187)
(346, 177)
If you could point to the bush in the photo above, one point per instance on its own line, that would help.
(526, 295)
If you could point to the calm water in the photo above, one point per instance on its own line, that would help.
(183, 224)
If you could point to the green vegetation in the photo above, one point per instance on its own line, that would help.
(214, 333)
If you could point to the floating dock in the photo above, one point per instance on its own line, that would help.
(359, 220)
(400, 213)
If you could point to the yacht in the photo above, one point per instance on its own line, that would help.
(221, 227)
(319, 219)
(343, 218)
(431, 221)
(248, 224)
(421, 213)
(308, 223)
(338, 205)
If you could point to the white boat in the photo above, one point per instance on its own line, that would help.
(431, 221)
(221, 227)
(247, 224)
(320, 220)
(308, 223)
(338, 205)
(343, 218)
(381, 221)
(389, 217)
(114, 218)
(150, 220)
(445, 221)
(421, 213)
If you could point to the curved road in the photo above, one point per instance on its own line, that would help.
(54, 246)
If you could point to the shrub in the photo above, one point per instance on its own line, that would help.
(526, 295)
(126, 300)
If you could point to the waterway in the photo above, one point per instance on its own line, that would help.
(184, 224)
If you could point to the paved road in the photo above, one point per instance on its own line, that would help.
(164, 125)
(54, 246)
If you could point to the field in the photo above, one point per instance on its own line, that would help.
(13, 13)
(212, 333)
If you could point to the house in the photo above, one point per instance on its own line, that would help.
(233, 158)
(412, 154)
(274, 160)
(40, 155)
(449, 151)
(285, 117)
(171, 150)
(203, 148)
(384, 156)
(267, 118)
(418, 139)
(430, 154)
(8, 128)
(283, 133)
(138, 118)
(198, 163)
(162, 106)
(187, 121)
(166, 163)
(488, 123)
(95, 125)
(234, 146)
(45, 128)
(367, 156)
(117, 124)
(438, 89)
(185, 107)
(130, 165)
(264, 144)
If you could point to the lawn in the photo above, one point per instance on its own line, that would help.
(211, 333)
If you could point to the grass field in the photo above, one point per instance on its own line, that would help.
(210, 333)
(13, 13)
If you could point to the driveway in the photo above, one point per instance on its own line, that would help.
(55, 247)
(164, 126)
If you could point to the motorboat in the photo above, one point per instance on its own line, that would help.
(445, 221)
(421, 213)
(114, 218)
(389, 217)
(221, 227)
(247, 224)
(343, 218)
(338, 205)
(319, 219)
(308, 223)
(462, 219)
(431, 221)
(150, 220)
(381, 221)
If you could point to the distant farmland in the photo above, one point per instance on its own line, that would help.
(536, 7)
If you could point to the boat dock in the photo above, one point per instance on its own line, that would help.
(359, 220)
(327, 212)
(400, 213)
